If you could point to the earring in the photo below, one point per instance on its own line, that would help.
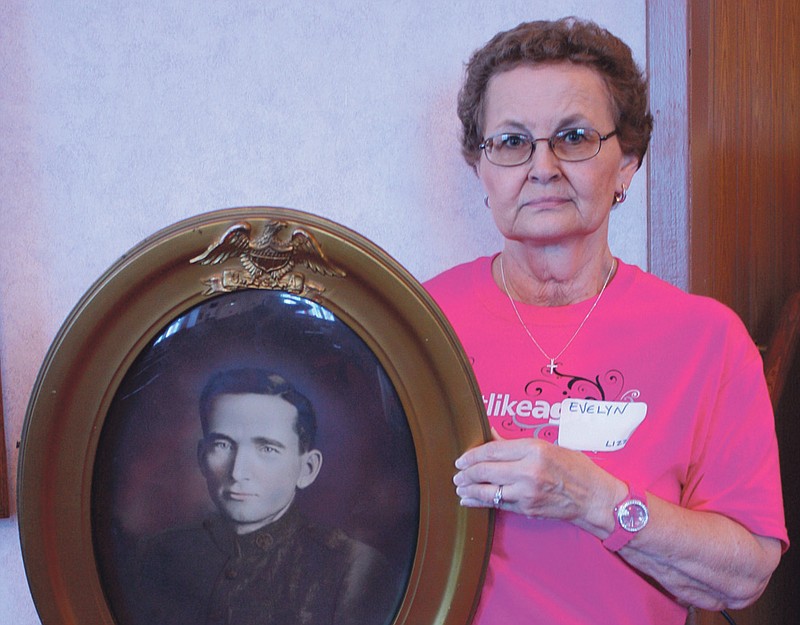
(486, 202)
(621, 196)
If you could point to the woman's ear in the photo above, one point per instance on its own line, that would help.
(312, 463)
(628, 167)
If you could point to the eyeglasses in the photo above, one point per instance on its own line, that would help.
(571, 145)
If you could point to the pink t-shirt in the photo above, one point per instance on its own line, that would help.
(707, 441)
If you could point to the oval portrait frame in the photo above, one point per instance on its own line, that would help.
(179, 268)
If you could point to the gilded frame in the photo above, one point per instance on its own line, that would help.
(173, 271)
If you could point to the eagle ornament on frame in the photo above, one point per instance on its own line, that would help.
(226, 257)
(269, 260)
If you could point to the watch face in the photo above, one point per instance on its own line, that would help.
(633, 515)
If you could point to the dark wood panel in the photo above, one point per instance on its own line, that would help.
(744, 209)
(745, 155)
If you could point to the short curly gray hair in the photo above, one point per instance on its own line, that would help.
(568, 39)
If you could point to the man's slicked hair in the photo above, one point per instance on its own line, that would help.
(260, 382)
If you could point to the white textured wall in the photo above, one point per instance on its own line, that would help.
(118, 118)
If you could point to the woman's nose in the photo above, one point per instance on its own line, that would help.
(544, 165)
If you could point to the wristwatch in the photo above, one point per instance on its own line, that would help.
(630, 516)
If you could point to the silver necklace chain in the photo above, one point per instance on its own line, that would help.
(553, 364)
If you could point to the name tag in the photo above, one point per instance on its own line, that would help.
(590, 425)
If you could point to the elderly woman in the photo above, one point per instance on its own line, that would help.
(634, 463)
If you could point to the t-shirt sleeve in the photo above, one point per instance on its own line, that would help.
(735, 468)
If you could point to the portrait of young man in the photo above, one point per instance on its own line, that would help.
(258, 559)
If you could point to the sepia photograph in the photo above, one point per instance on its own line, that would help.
(255, 466)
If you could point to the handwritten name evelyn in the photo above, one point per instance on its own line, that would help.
(598, 407)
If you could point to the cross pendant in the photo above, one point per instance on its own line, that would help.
(552, 366)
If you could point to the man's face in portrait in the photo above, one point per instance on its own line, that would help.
(251, 458)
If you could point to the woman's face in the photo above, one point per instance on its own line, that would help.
(546, 201)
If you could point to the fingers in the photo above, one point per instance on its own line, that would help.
(483, 479)
(497, 450)
(475, 503)
(500, 462)
(481, 473)
(484, 496)
(483, 469)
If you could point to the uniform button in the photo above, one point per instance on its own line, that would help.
(264, 541)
